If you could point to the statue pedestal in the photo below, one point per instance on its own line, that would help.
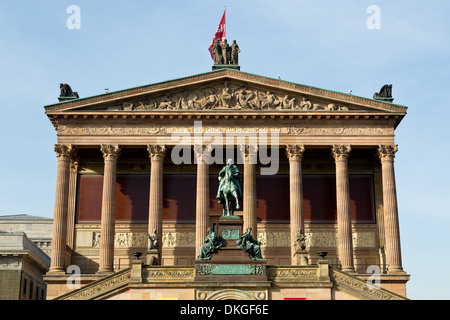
(226, 66)
(230, 263)
(152, 257)
(302, 257)
(64, 99)
(229, 229)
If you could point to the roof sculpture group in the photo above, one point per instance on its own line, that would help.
(226, 54)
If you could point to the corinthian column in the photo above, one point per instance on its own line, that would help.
(345, 243)
(295, 154)
(107, 233)
(202, 201)
(249, 154)
(156, 153)
(58, 255)
(391, 224)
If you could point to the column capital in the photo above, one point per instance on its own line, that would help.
(110, 152)
(74, 163)
(387, 152)
(295, 152)
(249, 152)
(340, 152)
(156, 152)
(64, 151)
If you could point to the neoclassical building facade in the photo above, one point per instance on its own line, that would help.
(145, 161)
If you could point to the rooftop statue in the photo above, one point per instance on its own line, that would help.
(225, 54)
(234, 53)
(217, 53)
(385, 93)
(66, 91)
(229, 192)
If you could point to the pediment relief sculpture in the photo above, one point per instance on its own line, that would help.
(228, 96)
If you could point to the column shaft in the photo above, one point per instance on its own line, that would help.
(58, 255)
(295, 154)
(156, 154)
(345, 242)
(107, 233)
(249, 154)
(391, 222)
(202, 199)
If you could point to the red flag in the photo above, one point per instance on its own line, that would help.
(220, 35)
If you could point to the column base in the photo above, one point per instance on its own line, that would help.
(56, 271)
(397, 270)
(348, 270)
(105, 271)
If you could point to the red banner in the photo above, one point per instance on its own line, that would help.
(220, 35)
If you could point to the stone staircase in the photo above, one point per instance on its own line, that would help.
(355, 286)
(99, 288)
(315, 275)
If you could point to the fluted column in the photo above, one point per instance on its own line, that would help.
(391, 223)
(72, 200)
(156, 153)
(58, 255)
(345, 242)
(107, 231)
(249, 154)
(202, 221)
(295, 154)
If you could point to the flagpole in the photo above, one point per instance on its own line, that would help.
(225, 13)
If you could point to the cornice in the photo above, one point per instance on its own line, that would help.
(221, 118)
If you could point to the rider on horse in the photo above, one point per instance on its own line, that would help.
(229, 174)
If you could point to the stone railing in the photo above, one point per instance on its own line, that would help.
(168, 274)
(292, 273)
(100, 287)
(345, 282)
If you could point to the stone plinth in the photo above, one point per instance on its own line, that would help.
(229, 229)
(252, 270)
(226, 66)
(152, 257)
(301, 257)
(230, 263)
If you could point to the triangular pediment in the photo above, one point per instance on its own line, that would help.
(225, 90)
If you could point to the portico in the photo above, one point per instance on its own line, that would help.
(123, 143)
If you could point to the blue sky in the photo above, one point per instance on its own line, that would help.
(324, 43)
